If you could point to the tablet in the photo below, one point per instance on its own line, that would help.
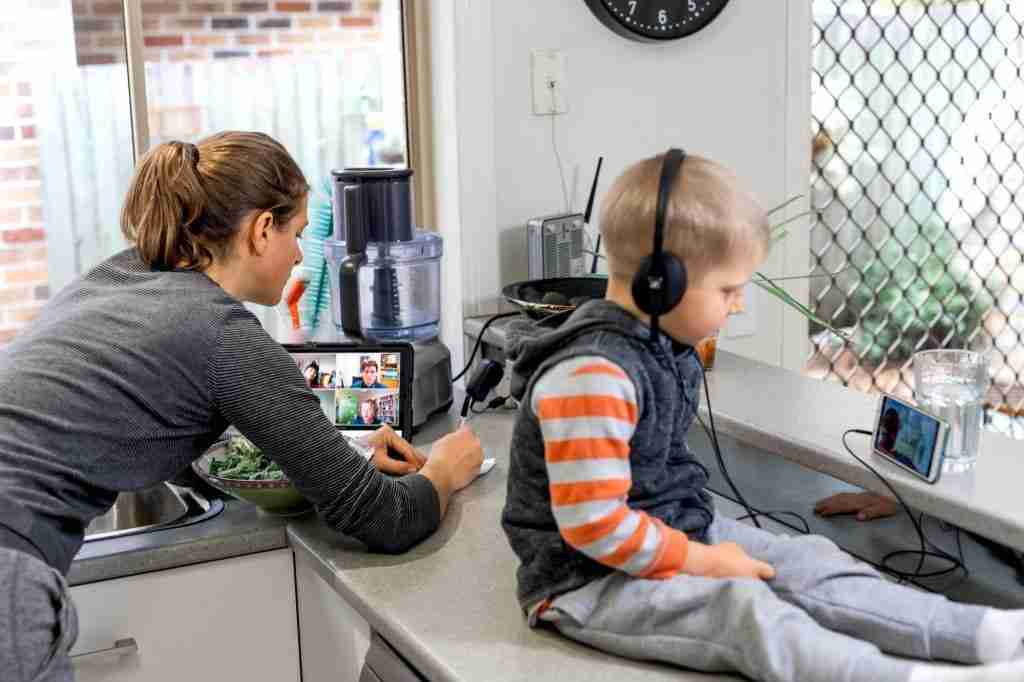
(360, 386)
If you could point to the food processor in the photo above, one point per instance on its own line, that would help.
(385, 277)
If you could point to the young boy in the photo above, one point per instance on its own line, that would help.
(619, 543)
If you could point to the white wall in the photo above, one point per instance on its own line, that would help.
(737, 92)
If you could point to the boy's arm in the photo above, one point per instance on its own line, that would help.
(587, 410)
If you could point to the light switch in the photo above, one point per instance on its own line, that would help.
(548, 73)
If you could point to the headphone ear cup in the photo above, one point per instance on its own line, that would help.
(673, 287)
(642, 294)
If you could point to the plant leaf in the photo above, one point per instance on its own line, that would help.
(775, 290)
(784, 204)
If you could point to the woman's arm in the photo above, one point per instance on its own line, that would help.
(257, 387)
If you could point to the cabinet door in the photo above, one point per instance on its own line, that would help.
(335, 638)
(230, 620)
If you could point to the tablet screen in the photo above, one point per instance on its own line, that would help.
(359, 389)
(906, 435)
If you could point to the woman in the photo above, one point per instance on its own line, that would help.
(367, 413)
(312, 373)
(133, 370)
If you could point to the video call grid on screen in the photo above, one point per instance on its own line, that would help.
(906, 435)
(358, 390)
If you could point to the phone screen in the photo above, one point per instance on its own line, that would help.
(907, 435)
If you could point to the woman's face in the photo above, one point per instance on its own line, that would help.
(283, 254)
(311, 373)
(368, 412)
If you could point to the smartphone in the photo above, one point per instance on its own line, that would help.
(910, 438)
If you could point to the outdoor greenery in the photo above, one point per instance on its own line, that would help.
(922, 302)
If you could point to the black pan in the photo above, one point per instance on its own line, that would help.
(528, 295)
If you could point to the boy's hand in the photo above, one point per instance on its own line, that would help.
(724, 560)
(866, 506)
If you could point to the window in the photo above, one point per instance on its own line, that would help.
(918, 189)
(324, 77)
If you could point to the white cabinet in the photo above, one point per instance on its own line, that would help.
(335, 638)
(225, 620)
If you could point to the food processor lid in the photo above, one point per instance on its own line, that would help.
(371, 173)
(424, 246)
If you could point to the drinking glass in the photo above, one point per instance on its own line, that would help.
(951, 384)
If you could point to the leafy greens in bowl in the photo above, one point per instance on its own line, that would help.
(244, 461)
(242, 470)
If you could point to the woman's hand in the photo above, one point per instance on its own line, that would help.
(724, 560)
(454, 462)
(384, 438)
(866, 506)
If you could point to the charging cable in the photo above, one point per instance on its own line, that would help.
(479, 340)
(956, 564)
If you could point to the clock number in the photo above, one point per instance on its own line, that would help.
(662, 17)
(632, 7)
(692, 6)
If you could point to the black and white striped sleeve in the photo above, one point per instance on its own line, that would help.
(257, 387)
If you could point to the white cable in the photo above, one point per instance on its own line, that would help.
(554, 145)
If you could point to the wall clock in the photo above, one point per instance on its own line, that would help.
(656, 20)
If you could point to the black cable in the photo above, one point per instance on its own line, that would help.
(713, 434)
(479, 340)
(924, 552)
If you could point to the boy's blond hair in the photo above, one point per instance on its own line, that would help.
(710, 220)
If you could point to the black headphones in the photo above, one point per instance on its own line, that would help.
(660, 281)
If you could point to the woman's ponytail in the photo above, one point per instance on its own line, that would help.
(186, 201)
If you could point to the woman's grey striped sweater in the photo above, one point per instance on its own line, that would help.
(128, 374)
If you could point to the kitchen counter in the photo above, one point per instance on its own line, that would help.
(238, 530)
(448, 605)
(803, 420)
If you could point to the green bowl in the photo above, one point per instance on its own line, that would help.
(274, 497)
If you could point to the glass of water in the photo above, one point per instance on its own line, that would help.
(951, 384)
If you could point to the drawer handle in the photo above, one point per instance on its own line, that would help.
(122, 647)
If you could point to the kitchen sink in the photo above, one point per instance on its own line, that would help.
(162, 506)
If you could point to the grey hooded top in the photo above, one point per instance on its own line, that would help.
(667, 481)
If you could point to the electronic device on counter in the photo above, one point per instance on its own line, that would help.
(909, 438)
(360, 386)
(555, 245)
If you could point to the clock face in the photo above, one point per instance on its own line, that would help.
(653, 20)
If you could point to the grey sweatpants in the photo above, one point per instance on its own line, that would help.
(38, 624)
(825, 616)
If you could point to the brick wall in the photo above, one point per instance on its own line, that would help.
(174, 30)
(177, 30)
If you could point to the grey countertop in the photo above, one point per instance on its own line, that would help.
(238, 530)
(448, 605)
(803, 420)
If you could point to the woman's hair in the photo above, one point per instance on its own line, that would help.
(314, 364)
(710, 219)
(186, 201)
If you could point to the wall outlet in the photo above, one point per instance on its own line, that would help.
(547, 72)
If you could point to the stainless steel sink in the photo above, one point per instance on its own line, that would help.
(162, 506)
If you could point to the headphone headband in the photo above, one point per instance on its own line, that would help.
(669, 170)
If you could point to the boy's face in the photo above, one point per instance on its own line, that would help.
(710, 301)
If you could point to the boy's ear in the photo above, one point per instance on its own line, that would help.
(258, 232)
